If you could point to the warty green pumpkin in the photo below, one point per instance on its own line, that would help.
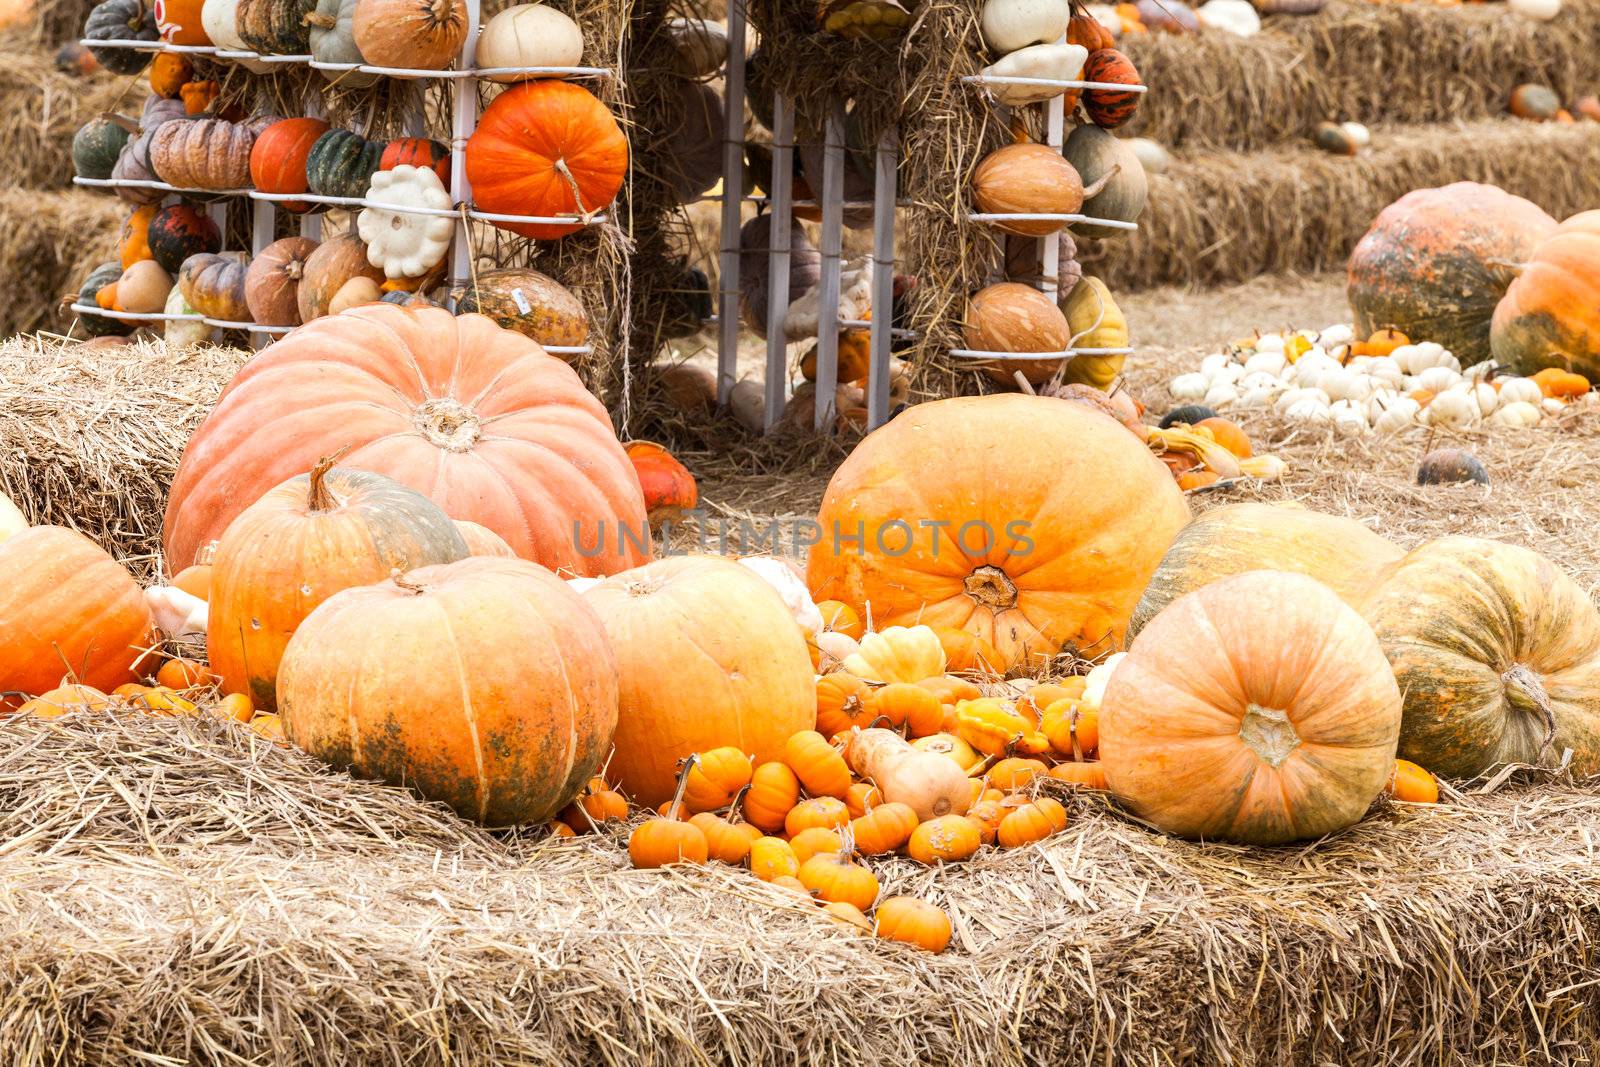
(342, 163)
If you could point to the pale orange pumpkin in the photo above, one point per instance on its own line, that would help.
(709, 656)
(1065, 517)
(1260, 709)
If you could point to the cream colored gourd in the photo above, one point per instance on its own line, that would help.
(353, 293)
(929, 783)
(182, 335)
(1385, 370)
(1401, 412)
(1452, 411)
(1094, 687)
(529, 35)
(1059, 62)
(1539, 10)
(1238, 17)
(333, 40)
(402, 244)
(12, 520)
(1349, 417)
(702, 46)
(1436, 379)
(1484, 396)
(1012, 24)
(219, 19)
(1518, 415)
(898, 654)
(1414, 359)
(1357, 133)
(1188, 388)
(1525, 390)
(144, 288)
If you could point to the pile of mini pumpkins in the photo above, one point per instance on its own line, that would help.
(1382, 384)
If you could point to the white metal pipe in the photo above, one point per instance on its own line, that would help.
(777, 380)
(463, 120)
(832, 240)
(885, 178)
(732, 185)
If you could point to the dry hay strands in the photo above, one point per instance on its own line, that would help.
(1225, 217)
(54, 22)
(49, 242)
(90, 437)
(221, 900)
(1370, 62)
(41, 108)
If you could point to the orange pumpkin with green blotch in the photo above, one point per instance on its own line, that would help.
(1550, 316)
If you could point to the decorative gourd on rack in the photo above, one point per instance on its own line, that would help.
(333, 40)
(121, 20)
(133, 162)
(278, 160)
(1012, 24)
(106, 274)
(529, 35)
(1095, 322)
(275, 27)
(204, 153)
(143, 288)
(872, 20)
(336, 262)
(1030, 179)
(342, 163)
(179, 22)
(1090, 32)
(1095, 155)
(533, 304)
(95, 147)
(169, 73)
(213, 284)
(405, 244)
(272, 283)
(220, 20)
(180, 335)
(414, 34)
(417, 152)
(1011, 317)
(133, 243)
(1056, 62)
(177, 232)
(701, 47)
(1110, 108)
(694, 150)
(546, 148)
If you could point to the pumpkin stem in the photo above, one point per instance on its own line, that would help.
(1022, 380)
(320, 21)
(1525, 691)
(408, 583)
(738, 798)
(1269, 734)
(1100, 184)
(121, 120)
(685, 765)
(572, 183)
(992, 587)
(321, 498)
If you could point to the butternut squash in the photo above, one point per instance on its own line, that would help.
(929, 783)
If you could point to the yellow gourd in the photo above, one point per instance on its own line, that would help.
(995, 728)
(1095, 322)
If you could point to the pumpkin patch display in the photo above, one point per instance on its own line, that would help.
(1240, 736)
(373, 683)
(708, 656)
(204, 153)
(405, 243)
(1019, 560)
(476, 417)
(272, 282)
(341, 163)
(335, 264)
(528, 35)
(214, 285)
(1498, 654)
(546, 148)
(121, 20)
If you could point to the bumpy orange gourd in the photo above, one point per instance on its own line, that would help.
(946, 839)
(774, 790)
(669, 488)
(913, 922)
(1065, 514)
(709, 656)
(1260, 709)
(996, 727)
(842, 702)
(597, 805)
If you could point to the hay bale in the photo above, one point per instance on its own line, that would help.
(41, 108)
(90, 436)
(48, 244)
(1372, 63)
(178, 890)
(1225, 216)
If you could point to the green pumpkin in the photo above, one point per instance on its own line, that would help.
(95, 148)
(342, 163)
(121, 20)
(99, 325)
(276, 27)
(1093, 153)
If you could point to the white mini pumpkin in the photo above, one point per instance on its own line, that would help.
(529, 35)
(1307, 409)
(1401, 412)
(1540, 10)
(220, 21)
(1269, 342)
(1272, 363)
(1188, 388)
(1451, 411)
(1292, 397)
(1484, 396)
(1513, 390)
(1437, 379)
(405, 245)
(1220, 396)
(1238, 17)
(1334, 336)
(1519, 414)
(1349, 417)
(1215, 362)
(1057, 62)
(1385, 370)
(1012, 24)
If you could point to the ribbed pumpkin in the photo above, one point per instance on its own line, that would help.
(121, 20)
(478, 418)
(1056, 518)
(533, 304)
(709, 656)
(175, 233)
(545, 148)
(1028, 179)
(415, 34)
(302, 542)
(275, 27)
(1436, 263)
(178, 22)
(1498, 654)
(1550, 316)
(203, 153)
(342, 163)
(66, 607)
(417, 152)
(333, 40)
(1097, 155)
(1012, 317)
(1094, 321)
(95, 148)
(487, 685)
(1340, 553)
(278, 160)
(213, 284)
(1110, 108)
(1259, 710)
(272, 284)
(333, 265)
(220, 20)
(529, 35)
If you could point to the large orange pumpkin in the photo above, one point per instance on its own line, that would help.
(709, 656)
(304, 541)
(1437, 261)
(1550, 316)
(278, 159)
(1259, 709)
(545, 147)
(487, 685)
(1029, 521)
(476, 417)
(66, 608)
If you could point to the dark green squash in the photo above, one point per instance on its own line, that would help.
(276, 27)
(1094, 153)
(95, 148)
(178, 232)
(121, 20)
(342, 163)
(405, 299)
(99, 325)
(1436, 262)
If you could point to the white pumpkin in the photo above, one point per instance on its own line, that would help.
(1386, 371)
(1261, 396)
(1272, 363)
(220, 21)
(1484, 396)
(1227, 374)
(1437, 379)
(1551, 406)
(1451, 411)
(1480, 371)
(405, 245)
(1335, 336)
(1349, 417)
(787, 582)
(1270, 342)
(1012, 24)
(1519, 414)
(1152, 155)
(177, 613)
(1307, 409)
(529, 35)
(1260, 380)
(1060, 62)
(1400, 413)
(1292, 397)
(1221, 395)
(1094, 686)
(1343, 385)
(1541, 10)
(1357, 133)
(12, 520)
(1188, 388)
(1214, 362)
(180, 335)
(1237, 17)
(702, 46)
(1379, 402)
(1432, 354)
(1526, 390)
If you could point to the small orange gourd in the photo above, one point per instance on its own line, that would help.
(836, 878)
(598, 804)
(862, 798)
(946, 839)
(774, 789)
(727, 841)
(1412, 783)
(1084, 775)
(950, 689)
(826, 812)
(842, 703)
(666, 840)
(235, 706)
(821, 770)
(913, 922)
(1073, 729)
(883, 829)
(1015, 772)
(908, 705)
(1032, 822)
(716, 778)
(772, 858)
(809, 842)
(841, 618)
